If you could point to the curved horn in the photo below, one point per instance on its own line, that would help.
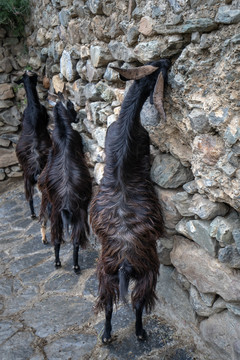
(136, 73)
(158, 96)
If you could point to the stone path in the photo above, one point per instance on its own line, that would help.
(47, 314)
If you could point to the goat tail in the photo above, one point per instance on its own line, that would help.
(124, 274)
(66, 219)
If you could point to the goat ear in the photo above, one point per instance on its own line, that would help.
(137, 73)
(158, 96)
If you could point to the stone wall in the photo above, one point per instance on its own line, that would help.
(196, 163)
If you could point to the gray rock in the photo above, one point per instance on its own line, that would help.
(148, 51)
(111, 75)
(190, 26)
(218, 118)
(93, 74)
(68, 66)
(168, 172)
(95, 108)
(78, 91)
(149, 115)
(38, 316)
(120, 51)
(226, 15)
(11, 117)
(70, 347)
(203, 271)
(170, 212)
(190, 187)
(177, 8)
(181, 280)
(100, 134)
(198, 231)
(19, 346)
(199, 121)
(229, 255)
(222, 228)
(234, 308)
(236, 237)
(170, 292)
(201, 308)
(91, 92)
(95, 6)
(6, 92)
(232, 132)
(164, 247)
(132, 35)
(182, 202)
(7, 157)
(206, 209)
(100, 56)
(221, 331)
(64, 17)
(8, 328)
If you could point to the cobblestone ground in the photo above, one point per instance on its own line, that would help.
(47, 313)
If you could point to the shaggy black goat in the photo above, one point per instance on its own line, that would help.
(34, 142)
(66, 184)
(125, 213)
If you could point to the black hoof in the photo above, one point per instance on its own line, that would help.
(142, 336)
(45, 242)
(106, 340)
(77, 269)
(58, 265)
(33, 216)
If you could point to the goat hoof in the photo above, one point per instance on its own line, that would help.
(106, 340)
(58, 264)
(33, 216)
(44, 241)
(142, 336)
(77, 269)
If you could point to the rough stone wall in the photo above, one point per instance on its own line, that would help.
(196, 163)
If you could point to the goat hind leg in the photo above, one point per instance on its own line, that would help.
(106, 337)
(33, 215)
(43, 231)
(140, 332)
(76, 266)
(57, 259)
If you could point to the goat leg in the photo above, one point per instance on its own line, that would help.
(43, 232)
(140, 332)
(33, 215)
(57, 259)
(76, 267)
(106, 338)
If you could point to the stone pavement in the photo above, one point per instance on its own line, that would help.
(47, 314)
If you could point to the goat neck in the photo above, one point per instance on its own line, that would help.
(62, 121)
(31, 92)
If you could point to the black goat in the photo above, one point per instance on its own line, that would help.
(66, 184)
(125, 213)
(34, 142)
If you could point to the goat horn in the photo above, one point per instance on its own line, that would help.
(136, 73)
(158, 96)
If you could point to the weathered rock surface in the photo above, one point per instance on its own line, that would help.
(207, 274)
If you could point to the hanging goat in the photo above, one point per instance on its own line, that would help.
(66, 184)
(125, 213)
(34, 142)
